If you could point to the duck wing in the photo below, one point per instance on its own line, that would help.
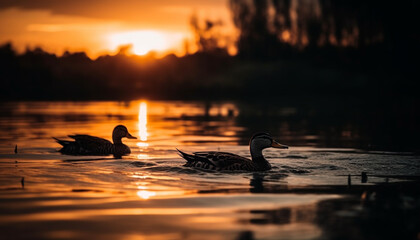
(221, 159)
(86, 145)
(89, 140)
(91, 143)
(214, 160)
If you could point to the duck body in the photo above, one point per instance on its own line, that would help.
(90, 145)
(223, 161)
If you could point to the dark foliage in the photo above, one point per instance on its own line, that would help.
(280, 28)
(73, 76)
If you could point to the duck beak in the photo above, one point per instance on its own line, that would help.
(130, 136)
(278, 145)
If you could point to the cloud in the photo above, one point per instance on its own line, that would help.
(125, 10)
(67, 27)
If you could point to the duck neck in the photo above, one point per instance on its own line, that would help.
(256, 154)
(116, 140)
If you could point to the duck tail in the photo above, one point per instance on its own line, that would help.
(185, 156)
(62, 142)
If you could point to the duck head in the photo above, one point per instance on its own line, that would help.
(120, 132)
(261, 141)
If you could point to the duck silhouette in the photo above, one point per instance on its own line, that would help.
(90, 145)
(223, 161)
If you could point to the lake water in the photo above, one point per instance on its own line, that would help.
(150, 195)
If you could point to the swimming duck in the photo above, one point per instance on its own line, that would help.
(89, 145)
(223, 161)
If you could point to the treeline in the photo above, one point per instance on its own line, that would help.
(371, 29)
(37, 74)
(214, 75)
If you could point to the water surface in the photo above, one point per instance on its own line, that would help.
(150, 195)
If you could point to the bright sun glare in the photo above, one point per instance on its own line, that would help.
(143, 125)
(144, 194)
(142, 41)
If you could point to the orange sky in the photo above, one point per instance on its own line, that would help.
(99, 26)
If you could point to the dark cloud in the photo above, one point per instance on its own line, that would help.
(125, 10)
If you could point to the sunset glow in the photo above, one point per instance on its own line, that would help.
(100, 28)
(145, 41)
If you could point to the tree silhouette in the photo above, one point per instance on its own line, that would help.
(266, 26)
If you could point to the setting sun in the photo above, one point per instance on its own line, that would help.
(145, 41)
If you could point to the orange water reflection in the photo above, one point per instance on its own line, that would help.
(157, 123)
(144, 194)
(216, 215)
(143, 121)
(149, 186)
(142, 126)
(158, 186)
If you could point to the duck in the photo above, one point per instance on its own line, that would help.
(224, 161)
(90, 145)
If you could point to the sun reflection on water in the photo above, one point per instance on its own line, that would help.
(142, 124)
(144, 194)
(142, 156)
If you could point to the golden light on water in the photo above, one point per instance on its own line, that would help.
(142, 124)
(144, 194)
(143, 156)
(142, 144)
